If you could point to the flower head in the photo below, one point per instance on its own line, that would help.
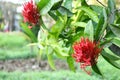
(30, 12)
(86, 52)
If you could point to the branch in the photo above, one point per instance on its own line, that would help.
(101, 3)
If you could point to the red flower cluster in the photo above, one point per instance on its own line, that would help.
(86, 52)
(30, 12)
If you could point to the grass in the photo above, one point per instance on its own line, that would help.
(13, 45)
(110, 73)
(46, 75)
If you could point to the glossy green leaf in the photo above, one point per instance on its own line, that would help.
(57, 5)
(115, 29)
(76, 37)
(112, 8)
(42, 3)
(116, 41)
(99, 28)
(70, 62)
(111, 5)
(68, 4)
(98, 9)
(89, 31)
(118, 20)
(58, 27)
(80, 24)
(49, 52)
(108, 53)
(53, 15)
(105, 14)
(60, 52)
(57, 47)
(50, 61)
(112, 62)
(28, 32)
(40, 52)
(92, 14)
(107, 42)
(96, 69)
(84, 3)
(105, 23)
(47, 6)
(65, 11)
(79, 16)
(115, 49)
(109, 34)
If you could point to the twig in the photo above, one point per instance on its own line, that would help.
(101, 3)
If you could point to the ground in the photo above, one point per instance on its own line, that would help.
(29, 64)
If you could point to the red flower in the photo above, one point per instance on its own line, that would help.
(86, 52)
(30, 12)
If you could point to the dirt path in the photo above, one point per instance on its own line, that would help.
(29, 64)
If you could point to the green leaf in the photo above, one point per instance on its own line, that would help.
(70, 62)
(108, 53)
(109, 34)
(68, 4)
(60, 52)
(116, 41)
(50, 61)
(42, 4)
(28, 32)
(54, 16)
(76, 37)
(80, 24)
(96, 69)
(57, 28)
(118, 20)
(106, 42)
(47, 6)
(89, 32)
(79, 16)
(41, 50)
(98, 9)
(113, 63)
(115, 29)
(115, 49)
(83, 3)
(65, 11)
(92, 14)
(105, 14)
(49, 52)
(111, 5)
(99, 28)
(112, 8)
(58, 48)
(57, 5)
(105, 23)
